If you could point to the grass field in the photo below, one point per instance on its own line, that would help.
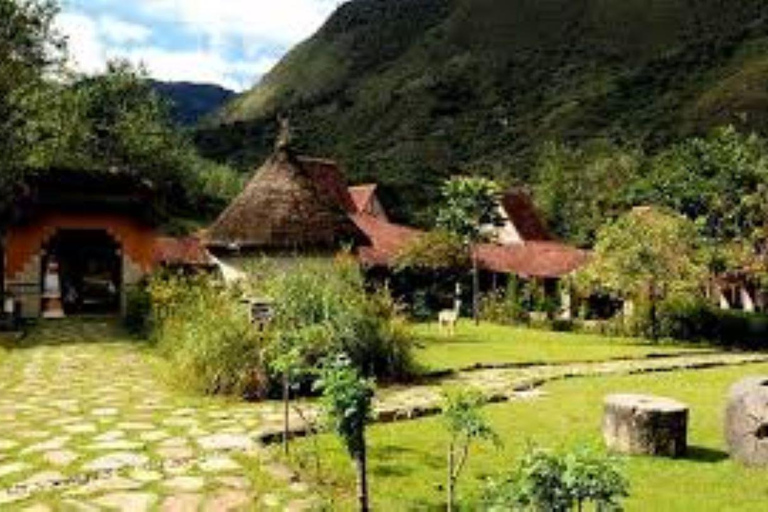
(407, 459)
(490, 343)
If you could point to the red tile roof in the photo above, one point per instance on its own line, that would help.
(329, 181)
(522, 212)
(186, 252)
(362, 195)
(532, 259)
(387, 239)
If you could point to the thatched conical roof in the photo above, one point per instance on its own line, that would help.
(292, 203)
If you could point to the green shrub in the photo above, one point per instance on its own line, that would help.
(326, 309)
(509, 306)
(205, 333)
(320, 309)
(546, 481)
(138, 310)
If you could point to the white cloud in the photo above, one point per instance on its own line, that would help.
(199, 66)
(275, 21)
(234, 41)
(86, 48)
(122, 32)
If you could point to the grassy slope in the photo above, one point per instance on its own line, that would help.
(404, 95)
(490, 343)
(407, 462)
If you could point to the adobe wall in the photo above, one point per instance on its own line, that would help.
(25, 244)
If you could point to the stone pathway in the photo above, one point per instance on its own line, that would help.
(499, 385)
(86, 425)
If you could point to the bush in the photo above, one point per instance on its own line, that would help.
(510, 306)
(320, 309)
(327, 310)
(546, 481)
(138, 310)
(205, 333)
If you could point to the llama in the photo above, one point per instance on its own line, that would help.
(448, 318)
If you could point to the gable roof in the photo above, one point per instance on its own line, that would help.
(387, 240)
(522, 213)
(362, 196)
(532, 259)
(329, 181)
(291, 203)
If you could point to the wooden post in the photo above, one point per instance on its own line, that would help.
(475, 289)
(286, 412)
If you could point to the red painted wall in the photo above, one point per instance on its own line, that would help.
(23, 242)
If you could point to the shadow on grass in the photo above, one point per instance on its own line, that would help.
(705, 455)
(399, 461)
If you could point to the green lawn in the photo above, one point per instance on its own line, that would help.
(407, 459)
(489, 343)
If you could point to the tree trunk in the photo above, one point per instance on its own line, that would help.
(653, 312)
(475, 290)
(362, 477)
(451, 480)
(2, 267)
(286, 412)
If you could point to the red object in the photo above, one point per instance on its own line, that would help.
(387, 239)
(329, 181)
(522, 212)
(531, 259)
(187, 252)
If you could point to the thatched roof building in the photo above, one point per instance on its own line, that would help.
(291, 203)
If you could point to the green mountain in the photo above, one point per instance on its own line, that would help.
(406, 92)
(191, 102)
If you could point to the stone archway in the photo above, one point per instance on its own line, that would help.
(90, 266)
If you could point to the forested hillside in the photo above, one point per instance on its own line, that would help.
(191, 102)
(406, 92)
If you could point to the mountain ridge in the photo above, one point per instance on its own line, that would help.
(191, 102)
(407, 92)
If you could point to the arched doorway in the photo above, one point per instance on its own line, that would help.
(90, 270)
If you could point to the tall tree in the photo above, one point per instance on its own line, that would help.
(31, 53)
(347, 399)
(578, 188)
(470, 205)
(646, 255)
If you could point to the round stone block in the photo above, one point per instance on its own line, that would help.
(746, 421)
(645, 425)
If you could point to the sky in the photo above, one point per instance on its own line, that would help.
(226, 42)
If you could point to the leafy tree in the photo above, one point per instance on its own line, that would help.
(647, 254)
(470, 205)
(545, 481)
(347, 399)
(721, 182)
(465, 424)
(578, 188)
(31, 52)
(435, 250)
(713, 181)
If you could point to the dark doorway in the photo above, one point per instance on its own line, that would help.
(90, 271)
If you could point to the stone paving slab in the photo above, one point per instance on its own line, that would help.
(88, 425)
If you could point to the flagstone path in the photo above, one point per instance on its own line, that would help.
(85, 424)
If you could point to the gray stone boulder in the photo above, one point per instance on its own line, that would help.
(645, 425)
(746, 421)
